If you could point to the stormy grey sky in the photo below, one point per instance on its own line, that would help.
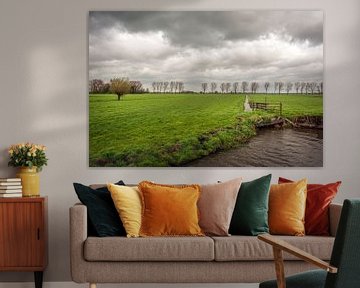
(196, 47)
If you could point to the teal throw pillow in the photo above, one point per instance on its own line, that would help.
(250, 216)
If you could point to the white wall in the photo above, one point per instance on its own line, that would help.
(43, 90)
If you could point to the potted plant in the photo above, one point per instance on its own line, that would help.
(30, 158)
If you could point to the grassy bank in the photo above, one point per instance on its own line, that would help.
(173, 129)
(293, 104)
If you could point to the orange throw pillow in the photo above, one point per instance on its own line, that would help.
(287, 204)
(318, 200)
(169, 210)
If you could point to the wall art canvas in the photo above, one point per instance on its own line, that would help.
(205, 88)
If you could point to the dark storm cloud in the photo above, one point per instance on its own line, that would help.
(206, 46)
(194, 28)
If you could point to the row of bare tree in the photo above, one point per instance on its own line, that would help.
(121, 86)
(252, 87)
(168, 86)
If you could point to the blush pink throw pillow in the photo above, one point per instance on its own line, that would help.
(216, 206)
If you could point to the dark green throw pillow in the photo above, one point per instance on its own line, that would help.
(103, 218)
(250, 216)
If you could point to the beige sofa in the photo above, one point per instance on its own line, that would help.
(234, 259)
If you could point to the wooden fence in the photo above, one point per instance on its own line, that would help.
(273, 107)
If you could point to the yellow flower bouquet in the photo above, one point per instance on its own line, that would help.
(27, 155)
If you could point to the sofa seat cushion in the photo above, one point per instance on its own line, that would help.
(244, 248)
(149, 249)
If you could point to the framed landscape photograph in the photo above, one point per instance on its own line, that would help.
(206, 88)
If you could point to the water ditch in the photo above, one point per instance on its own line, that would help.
(271, 148)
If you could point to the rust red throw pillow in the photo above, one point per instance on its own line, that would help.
(319, 197)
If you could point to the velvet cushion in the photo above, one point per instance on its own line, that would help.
(169, 210)
(250, 215)
(319, 197)
(310, 279)
(216, 206)
(127, 201)
(102, 214)
(287, 204)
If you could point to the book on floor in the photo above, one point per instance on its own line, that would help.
(10, 195)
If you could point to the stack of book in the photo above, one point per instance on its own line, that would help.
(10, 187)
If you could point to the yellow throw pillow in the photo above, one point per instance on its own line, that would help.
(169, 210)
(287, 204)
(127, 201)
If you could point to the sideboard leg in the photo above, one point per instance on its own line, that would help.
(92, 285)
(38, 279)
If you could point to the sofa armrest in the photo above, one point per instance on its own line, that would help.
(334, 216)
(78, 235)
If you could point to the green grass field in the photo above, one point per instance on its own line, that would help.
(173, 129)
(294, 104)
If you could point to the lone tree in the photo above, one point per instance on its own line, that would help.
(120, 86)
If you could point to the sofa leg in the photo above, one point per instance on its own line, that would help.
(92, 285)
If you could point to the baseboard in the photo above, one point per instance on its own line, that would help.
(74, 285)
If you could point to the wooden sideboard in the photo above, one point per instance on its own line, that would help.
(23, 235)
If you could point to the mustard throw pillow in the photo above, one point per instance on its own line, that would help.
(287, 204)
(169, 210)
(127, 201)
